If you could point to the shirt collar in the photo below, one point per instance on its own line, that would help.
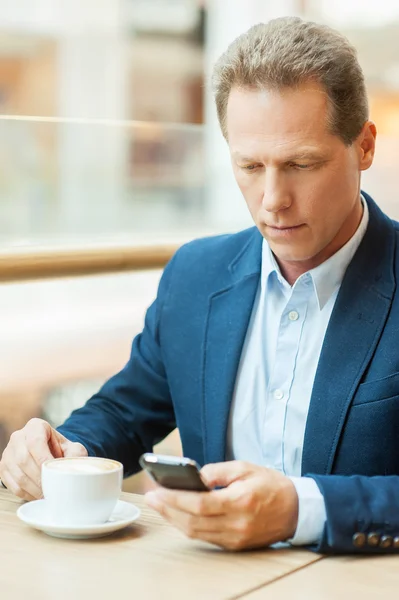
(328, 276)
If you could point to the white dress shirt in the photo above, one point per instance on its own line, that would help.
(276, 373)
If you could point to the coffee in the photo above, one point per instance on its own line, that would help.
(83, 465)
(81, 491)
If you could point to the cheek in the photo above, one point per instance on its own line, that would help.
(320, 195)
(251, 189)
(329, 200)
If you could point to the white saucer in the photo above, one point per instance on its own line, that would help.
(34, 514)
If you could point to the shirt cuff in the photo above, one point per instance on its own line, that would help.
(312, 512)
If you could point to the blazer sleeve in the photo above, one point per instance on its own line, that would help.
(362, 514)
(133, 410)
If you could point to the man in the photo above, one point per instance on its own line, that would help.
(272, 350)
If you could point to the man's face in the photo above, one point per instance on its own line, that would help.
(300, 182)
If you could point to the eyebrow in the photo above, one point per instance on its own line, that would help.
(299, 155)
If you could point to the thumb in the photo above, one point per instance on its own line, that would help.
(72, 449)
(225, 473)
(54, 443)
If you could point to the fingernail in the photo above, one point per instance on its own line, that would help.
(152, 499)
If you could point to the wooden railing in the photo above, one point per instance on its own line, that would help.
(20, 265)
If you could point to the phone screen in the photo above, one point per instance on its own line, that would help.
(173, 472)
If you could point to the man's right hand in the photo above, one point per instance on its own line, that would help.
(27, 450)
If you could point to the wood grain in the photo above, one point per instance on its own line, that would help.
(148, 560)
(365, 577)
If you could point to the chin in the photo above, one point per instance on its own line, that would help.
(292, 256)
(286, 253)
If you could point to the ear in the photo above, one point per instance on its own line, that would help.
(366, 145)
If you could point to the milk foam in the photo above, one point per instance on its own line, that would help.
(82, 466)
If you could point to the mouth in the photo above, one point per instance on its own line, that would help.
(283, 232)
(284, 227)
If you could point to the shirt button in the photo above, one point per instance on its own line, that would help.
(293, 315)
(279, 394)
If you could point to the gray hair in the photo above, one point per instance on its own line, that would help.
(286, 52)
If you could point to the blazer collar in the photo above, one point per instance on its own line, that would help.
(229, 312)
(248, 260)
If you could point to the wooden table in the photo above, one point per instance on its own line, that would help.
(340, 577)
(151, 560)
(148, 560)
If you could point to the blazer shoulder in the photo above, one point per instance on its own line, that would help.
(196, 265)
(214, 252)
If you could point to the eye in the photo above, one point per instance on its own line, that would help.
(301, 167)
(250, 167)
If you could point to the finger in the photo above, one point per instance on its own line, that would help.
(192, 503)
(37, 441)
(13, 486)
(225, 473)
(24, 482)
(73, 449)
(192, 525)
(27, 464)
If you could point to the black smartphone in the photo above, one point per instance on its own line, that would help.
(173, 472)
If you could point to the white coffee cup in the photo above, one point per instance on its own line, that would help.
(81, 491)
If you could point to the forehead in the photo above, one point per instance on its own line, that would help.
(282, 119)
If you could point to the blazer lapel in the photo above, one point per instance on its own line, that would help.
(355, 326)
(229, 313)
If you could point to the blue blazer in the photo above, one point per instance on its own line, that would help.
(183, 365)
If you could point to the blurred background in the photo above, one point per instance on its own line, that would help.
(111, 157)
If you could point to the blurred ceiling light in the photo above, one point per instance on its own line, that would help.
(356, 12)
(171, 16)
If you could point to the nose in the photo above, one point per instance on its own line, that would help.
(276, 196)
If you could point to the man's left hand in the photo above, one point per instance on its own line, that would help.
(256, 507)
